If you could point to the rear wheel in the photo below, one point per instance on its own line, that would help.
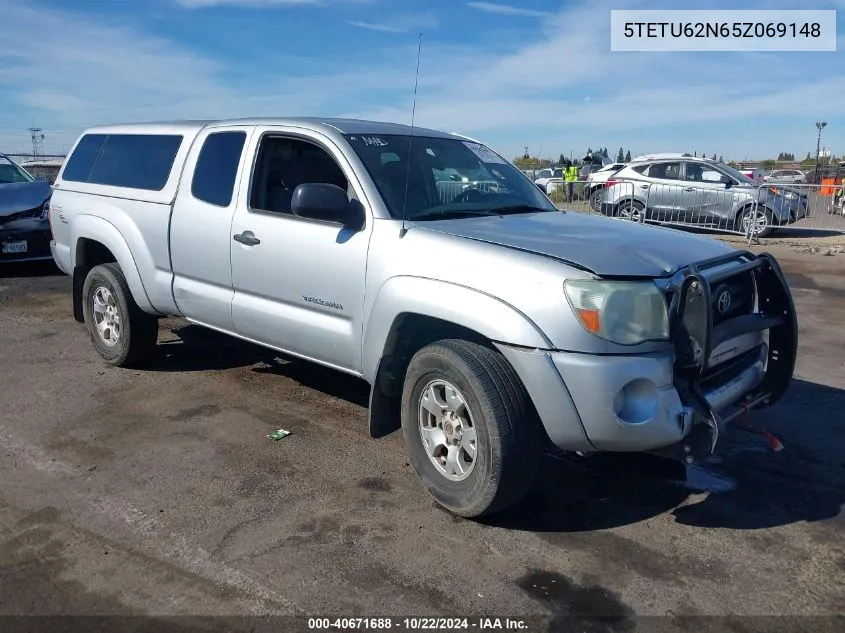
(630, 210)
(595, 197)
(469, 427)
(121, 333)
(756, 221)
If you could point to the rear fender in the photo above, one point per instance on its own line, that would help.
(100, 230)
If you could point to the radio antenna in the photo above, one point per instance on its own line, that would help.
(411, 138)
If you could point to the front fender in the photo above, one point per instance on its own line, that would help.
(96, 228)
(483, 313)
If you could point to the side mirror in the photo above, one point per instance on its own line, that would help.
(322, 201)
(727, 181)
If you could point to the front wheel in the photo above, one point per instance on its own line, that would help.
(756, 221)
(122, 333)
(469, 428)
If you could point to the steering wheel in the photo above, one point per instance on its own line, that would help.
(469, 195)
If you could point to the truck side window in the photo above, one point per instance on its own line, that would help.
(81, 162)
(217, 168)
(136, 161)
(285, 163)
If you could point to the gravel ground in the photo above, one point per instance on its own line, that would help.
(156, 492)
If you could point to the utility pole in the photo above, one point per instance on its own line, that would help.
(819, 126)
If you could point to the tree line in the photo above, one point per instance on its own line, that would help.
(527, 161)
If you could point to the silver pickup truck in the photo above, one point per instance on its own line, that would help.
(489, 324)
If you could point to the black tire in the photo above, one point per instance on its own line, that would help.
(594, 195)
(508, 436)
(750, 211)
(138, 331)
(628, 209)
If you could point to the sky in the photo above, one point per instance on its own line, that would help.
(535, 73)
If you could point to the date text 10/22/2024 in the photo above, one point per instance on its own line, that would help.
(419, 624)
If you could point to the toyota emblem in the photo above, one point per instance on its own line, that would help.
(723, 303)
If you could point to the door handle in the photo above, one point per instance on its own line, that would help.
(644, 186)
(247, 237)
(689, 188)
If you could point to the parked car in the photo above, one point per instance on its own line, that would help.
(545, 175)
(24, 229)
(792, 176)
(699, 191)
(755, 174)
(488, 325)
(596, 182)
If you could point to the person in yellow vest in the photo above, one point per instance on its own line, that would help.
(570, 175)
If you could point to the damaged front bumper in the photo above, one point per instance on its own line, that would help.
(758, 378)
(674, 402)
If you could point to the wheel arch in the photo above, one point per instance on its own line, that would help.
(393, 335)
(96, 241)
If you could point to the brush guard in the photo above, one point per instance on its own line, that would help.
(695, 337)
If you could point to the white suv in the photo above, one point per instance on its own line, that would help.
(792, 176)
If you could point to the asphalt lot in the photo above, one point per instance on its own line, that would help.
(156, 491)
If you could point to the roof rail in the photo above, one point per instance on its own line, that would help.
(663, 155)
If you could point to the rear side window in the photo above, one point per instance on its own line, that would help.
(136, 161)
(665, 171)
(81, 162)
(217, 168)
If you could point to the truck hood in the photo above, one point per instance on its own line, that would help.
(22, 196)
(603, 246)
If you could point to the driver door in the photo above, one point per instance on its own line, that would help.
(298, 283)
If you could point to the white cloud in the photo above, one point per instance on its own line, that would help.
(203, 4)
(398, 24)
(561, 88)
(373, 26)
(507, 9)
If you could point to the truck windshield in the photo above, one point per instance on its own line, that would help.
(434, 178)
(10, 173)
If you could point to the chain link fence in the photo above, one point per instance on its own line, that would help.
(754, 212)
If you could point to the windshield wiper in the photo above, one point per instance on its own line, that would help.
(452, 213)
(518, 208)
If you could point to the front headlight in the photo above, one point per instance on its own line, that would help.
(623, 312)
